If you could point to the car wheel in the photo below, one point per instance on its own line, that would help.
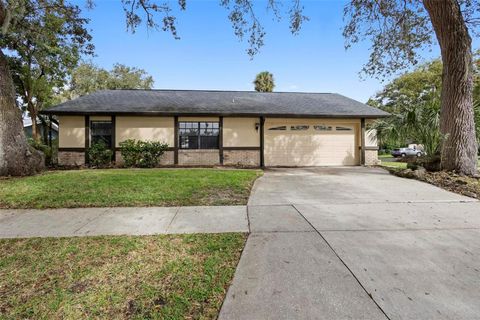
(419, 154)
(404, 155)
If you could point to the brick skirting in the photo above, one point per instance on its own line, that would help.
(250, 158)
(165, 160)
(198, 157)
(371, 157)
(71, 158)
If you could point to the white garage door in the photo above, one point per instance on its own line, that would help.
(310, 143)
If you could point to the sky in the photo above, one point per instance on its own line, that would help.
(210, 56)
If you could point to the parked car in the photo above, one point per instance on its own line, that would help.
(407, 152)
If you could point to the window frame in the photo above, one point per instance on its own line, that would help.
(199, 135)
(109, 145)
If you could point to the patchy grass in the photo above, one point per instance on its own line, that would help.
(389, 162)
(467, 186)
(464, 185)
(380, 156)
(128, 187)
(152, 277)
(394, 164)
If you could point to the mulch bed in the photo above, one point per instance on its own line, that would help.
(467, 186)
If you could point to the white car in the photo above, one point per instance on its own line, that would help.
(407, 152)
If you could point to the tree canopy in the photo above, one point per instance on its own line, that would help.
(413, 99)
(42, 50)
(88, 78)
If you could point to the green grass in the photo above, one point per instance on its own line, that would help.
(380, 156)
(122, 277)
(394, 164)
(400, 165)
(128, 187)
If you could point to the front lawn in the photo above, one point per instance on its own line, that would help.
(152, 277)
(128, 187)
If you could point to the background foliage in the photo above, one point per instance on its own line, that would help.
(88, 78)
(413, 99)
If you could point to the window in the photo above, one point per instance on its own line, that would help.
(198, 135)
(278, 128)
(322, 127)
(299, 128)
(339, 128)
(101, 131)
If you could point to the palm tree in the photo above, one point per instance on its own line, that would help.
(264, 82)
(419, 124)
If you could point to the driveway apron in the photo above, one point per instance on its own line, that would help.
(356, 243)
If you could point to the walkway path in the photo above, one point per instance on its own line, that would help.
(119, 221)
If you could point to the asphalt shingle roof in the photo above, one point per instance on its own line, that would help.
(204, 102)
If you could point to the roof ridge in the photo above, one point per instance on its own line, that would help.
(251, 103)
(215, 90)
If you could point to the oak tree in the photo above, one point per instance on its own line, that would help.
(398, 31)
(45, 48)
(88, 78)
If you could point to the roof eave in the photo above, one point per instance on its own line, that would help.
(209, 114)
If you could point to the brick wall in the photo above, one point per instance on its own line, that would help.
(71, 158)
(198, 157)
(241, 158)
(165, 160)
(371, 157)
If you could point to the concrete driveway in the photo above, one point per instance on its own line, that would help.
(356, 243)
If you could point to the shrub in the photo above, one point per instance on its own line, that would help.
(430, 162)
(143, 154)
(99, 155)
(47, 151)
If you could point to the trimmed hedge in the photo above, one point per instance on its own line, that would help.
(99, 155)
(142, 154)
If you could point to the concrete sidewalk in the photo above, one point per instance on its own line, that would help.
(121, 221)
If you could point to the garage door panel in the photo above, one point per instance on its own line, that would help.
(310, 147)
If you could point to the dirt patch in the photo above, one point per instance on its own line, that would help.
(467, 186)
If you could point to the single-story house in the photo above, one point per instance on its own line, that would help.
(206, 127)
(47, 132)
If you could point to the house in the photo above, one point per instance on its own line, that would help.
(205, 127)
(46, 132)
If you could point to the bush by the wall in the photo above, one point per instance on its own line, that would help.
(143, 154)
(99, 155)
(47, 151)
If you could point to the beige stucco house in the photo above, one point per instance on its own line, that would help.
(222, 127)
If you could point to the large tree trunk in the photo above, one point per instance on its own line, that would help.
(459, 147)
(17, 158)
